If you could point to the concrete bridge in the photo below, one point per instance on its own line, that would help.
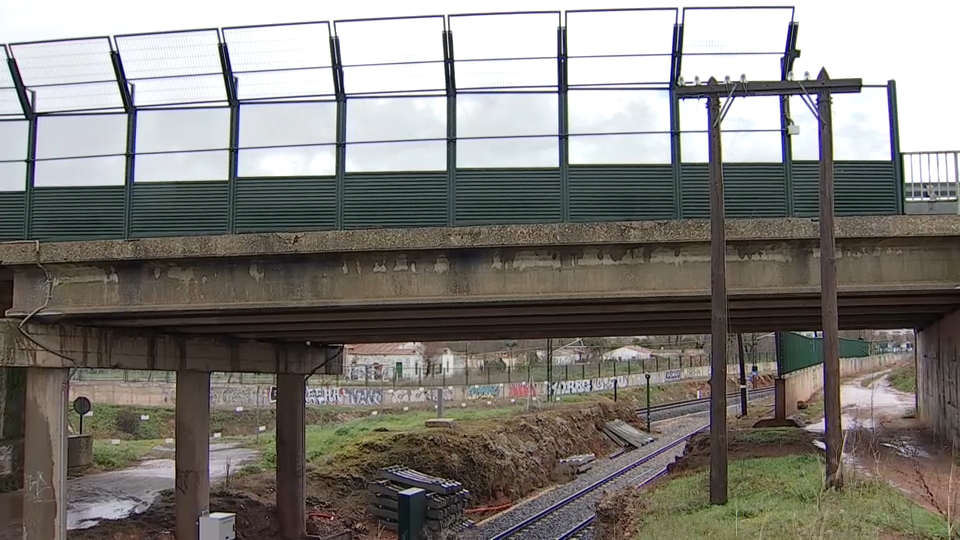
(281, 302)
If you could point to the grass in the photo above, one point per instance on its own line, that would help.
(324, 441)
(110, 457)
(783, 498)
(904, 378)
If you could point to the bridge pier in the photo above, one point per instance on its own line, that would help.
(291, 456)
(45, 455)
(192, 452)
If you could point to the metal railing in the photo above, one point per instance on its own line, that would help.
(931, 176)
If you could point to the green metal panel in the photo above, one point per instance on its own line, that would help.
(286, 204)
(502, 196)
(799, 352)
(77, 213)
(395, 199)
(179, 209)
(754, 190)
(749, 190)
(861, 188)
(621, 193)
(11, 215)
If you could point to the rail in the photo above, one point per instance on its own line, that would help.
(519, 527)
(931, 176)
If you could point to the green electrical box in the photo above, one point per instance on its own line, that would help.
(412, 514)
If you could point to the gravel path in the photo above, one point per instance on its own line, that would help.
(555, 525)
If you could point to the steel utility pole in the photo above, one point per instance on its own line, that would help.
(718, 308)
(823, 86)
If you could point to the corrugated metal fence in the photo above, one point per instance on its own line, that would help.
(797, 351)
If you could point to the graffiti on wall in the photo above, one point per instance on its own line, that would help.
(563, 388)
(522, 390)
(341, 395)
(485, 391)
(235, 395)
(607, 383)
(420, 395)
(673, 375)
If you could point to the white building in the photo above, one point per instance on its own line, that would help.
(383, 361)
(628, 353)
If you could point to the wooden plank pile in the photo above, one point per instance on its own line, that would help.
(446, 499)
(624, 434)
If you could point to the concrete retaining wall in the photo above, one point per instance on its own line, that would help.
(157, 394)
(938, 377)
(801, 385)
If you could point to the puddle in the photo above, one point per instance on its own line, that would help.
(862, 407)
(118, 494)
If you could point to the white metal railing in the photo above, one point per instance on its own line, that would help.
(931, 176)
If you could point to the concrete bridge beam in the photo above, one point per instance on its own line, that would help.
(61, 346)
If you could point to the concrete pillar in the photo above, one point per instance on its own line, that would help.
(291, 456)
(193, 452)
(45, 455)
(780, 398)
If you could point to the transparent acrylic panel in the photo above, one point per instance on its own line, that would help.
(621, 32)
(194, 166)
(80, 136)
(174, 67)
(387, 41)
(759, 112)
(619, 149)
(288, 124)
(619, 71)
(861, 125)
(527, 35)
(13, 140)
(806, 145)
(395, 119)
(9, 103)
(694, 148)
(620, 37)
(496, 74)
(281, 61)
(693, 115)
(409, 156)
(612, 111)
(395, 79)
(715, 42)
(302, 161)
(102, 171)
(490, 153)
(751, 147)
(490, 115)
(13, 176)
(194, 129)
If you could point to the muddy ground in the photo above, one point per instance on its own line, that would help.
(498, 461)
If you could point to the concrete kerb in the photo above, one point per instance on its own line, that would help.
(446, 238)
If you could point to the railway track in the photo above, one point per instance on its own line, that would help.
(657, 411)
(555, 520)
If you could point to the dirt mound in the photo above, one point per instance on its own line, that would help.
(746, 443)
(618, 514)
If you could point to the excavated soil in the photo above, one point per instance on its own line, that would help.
(498, 461)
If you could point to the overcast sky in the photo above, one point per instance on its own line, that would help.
(851, 38)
